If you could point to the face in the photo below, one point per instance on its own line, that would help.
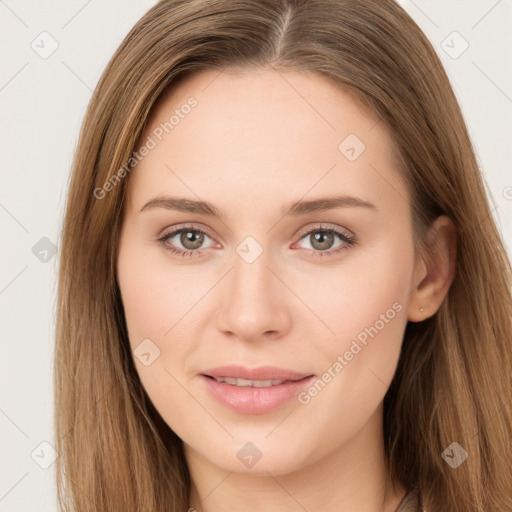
(304, 301)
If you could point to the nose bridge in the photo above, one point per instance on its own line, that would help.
(253, 304)
(251, 276)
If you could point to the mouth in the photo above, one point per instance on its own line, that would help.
(254, 391)
(238, 372)
(245, 383)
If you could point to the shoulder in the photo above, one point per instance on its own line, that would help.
(410, 503)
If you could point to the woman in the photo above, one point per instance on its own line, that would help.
(281, 285)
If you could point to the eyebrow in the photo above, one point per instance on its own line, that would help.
(294, 209)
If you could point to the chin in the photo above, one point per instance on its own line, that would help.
(257, 458)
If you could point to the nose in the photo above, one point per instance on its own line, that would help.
(254, 303)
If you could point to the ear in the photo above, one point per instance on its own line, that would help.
(434, 271)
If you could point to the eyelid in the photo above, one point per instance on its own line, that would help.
(179, 227)
(324, 226)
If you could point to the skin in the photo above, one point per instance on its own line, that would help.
(258, 140)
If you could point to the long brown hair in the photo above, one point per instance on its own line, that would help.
(453, 382)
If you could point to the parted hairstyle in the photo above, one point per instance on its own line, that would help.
(453, 381)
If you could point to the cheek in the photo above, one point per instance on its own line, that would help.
(155, 297)
(154, 294)
(352, 296)
(163, 307)
(368, 312)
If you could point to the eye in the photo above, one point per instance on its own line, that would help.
(322, 240)
(190, 238)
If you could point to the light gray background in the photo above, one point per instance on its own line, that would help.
(43, 101)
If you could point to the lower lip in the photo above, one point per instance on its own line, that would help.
(251, 400)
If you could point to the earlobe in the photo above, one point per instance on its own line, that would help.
(437, 270)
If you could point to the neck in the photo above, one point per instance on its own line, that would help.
(352, 477)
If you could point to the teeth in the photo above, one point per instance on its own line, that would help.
(249, 383)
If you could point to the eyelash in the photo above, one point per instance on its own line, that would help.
(349, 241)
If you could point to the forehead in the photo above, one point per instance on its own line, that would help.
(254, 97)
(254, 130)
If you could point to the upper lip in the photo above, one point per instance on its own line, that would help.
(260, 373)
